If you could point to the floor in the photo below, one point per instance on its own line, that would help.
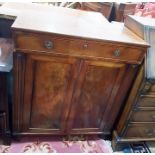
(72, 144)
(66, 144)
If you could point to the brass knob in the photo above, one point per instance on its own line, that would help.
(148, 132)
(85, 46)
(146, 88)
(48, 44)
(116, 53)
(153, 116)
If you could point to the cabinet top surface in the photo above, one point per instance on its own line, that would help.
(70, 22)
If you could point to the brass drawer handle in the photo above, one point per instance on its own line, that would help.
(146, 87)
(48, 44)
(85, 46)
(153, 116)
(116, 53)
(148, 132)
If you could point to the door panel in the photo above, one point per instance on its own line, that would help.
(47, 88)
(99, 84)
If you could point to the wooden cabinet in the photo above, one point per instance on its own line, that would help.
(97, 85)
(71, 79)
(48, 84)
(64, 93)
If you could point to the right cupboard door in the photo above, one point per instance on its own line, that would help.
(94, 96)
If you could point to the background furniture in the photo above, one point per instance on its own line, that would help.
(113, 11)
(6, 49)
(145, 28)
(121, 10)
(103, 7)
(137, 122)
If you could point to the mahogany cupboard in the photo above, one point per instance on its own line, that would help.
(65, 94)
(71, 79)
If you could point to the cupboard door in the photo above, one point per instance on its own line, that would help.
(94, 96)
(48, 88)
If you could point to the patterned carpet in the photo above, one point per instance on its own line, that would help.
(70, 144)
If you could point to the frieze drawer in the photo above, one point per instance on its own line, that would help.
(77, 47)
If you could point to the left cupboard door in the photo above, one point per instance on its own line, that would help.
(48, 86)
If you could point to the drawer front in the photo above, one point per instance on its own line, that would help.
(143, 116)
(146, 102)
(78, 47)
(140, 131)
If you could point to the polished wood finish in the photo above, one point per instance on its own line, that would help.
(76, 47)
(75, 83)
(60, 87)
(93, 94)
(123, 118)
(66, 93)
(48, 92)
(68, 79)
(131, 98)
